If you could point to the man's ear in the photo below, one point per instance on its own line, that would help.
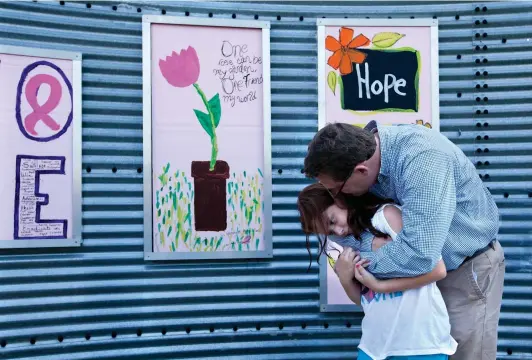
(362, 168)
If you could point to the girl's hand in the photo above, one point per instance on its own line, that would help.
(345, 265)
(365, 277)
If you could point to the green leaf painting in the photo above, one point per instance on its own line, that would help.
(205, 121)
(386, 39)
(331, 81)
(216, 109)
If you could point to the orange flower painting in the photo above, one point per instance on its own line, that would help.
(344, 50)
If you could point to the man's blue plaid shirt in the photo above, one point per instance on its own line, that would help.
(447, 210)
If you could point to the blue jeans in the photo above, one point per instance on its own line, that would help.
(363, 356)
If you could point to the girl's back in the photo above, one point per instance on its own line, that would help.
(403, 323)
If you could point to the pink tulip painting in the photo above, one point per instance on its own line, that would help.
(182, 70)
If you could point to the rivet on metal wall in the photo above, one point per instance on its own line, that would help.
(257, 327)
(506, 195)
(484, 9)
(187, 13)
(187, 330)
(486, 163)
(278, 17)
(33, 341)
(61, 3)
(139, 10)
(280, 171)
(88, 6)
(60, 338)
(478, 137)
(458, 56)
(303, 326)
(115, 7)
(301, 18)
(163, 331)
(114, 334)
(256, 17)
(3, 343)
(114, 170)
(233, 16)
(504, 41)
(457, 17)
(486, 137)
(163, 11)
(459, 95)
(281, 326)
(211, 329)
(88, 169)
(139, 332)
(87, 336)
(477, 22)
(210, 14)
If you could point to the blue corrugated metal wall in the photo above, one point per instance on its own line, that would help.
(102, 301)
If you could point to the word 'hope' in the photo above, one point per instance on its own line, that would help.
(377, 87)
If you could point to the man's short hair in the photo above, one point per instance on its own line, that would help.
(336, 149)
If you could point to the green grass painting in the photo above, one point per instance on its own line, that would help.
(174, 201)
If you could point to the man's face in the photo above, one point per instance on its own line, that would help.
(357, 184)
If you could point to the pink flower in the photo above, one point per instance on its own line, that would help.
(181, 70)
(246, 240)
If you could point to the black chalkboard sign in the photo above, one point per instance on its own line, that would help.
(386, 81)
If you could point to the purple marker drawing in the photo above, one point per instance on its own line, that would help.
(41, 112)
(28, 200)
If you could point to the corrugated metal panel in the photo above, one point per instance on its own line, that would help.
(103, 301)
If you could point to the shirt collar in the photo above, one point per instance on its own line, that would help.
(384, 144)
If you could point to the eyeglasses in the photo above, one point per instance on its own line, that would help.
(334, 196)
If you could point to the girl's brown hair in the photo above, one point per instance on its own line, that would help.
(313, 201)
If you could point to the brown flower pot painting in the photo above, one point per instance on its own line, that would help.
(210, 213)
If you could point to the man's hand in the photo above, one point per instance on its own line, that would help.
(345, 265)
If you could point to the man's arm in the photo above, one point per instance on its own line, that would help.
(428, 199)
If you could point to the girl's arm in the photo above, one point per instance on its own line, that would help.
(394, 219)
(399, 284)
(352, 289)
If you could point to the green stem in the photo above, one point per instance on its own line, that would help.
(214, 141)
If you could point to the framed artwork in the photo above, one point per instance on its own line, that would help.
(40, 148)
(207, 139)
(380, 71)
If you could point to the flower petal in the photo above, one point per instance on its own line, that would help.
(346, 66)
(332, 44)
(356, 56)
(346, 35)
(358, 41)
(334, 59)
